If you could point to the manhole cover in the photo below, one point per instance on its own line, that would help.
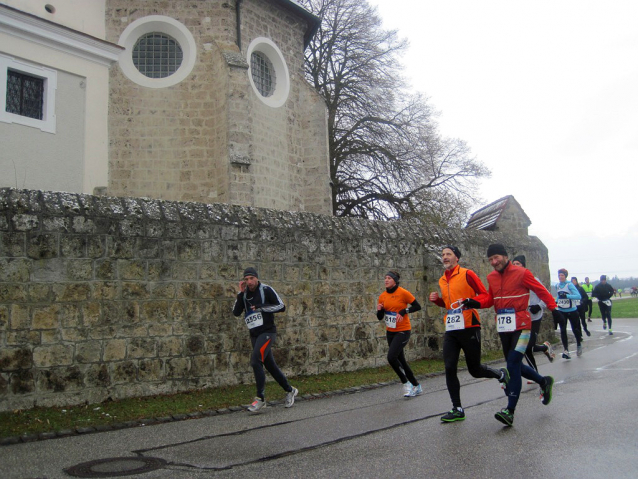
(116, 466)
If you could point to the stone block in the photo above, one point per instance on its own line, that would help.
(12, 359)
(46, 317)
(132, 269)
(15, 270)
(88, 352)
(73, 246)
(123, 372)
(169, 346)
(64, 292)
(97, 375)
(10, 292)
(150, 370)
(114, 350)
(105, 269)
(42, 246)
(134, 290)
(12, 244)
(52, 355)
(20, 317)
(141, 348)
(201, 366)
(24, 222)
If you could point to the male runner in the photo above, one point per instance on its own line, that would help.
(509, 288)
(462, 328)
(603, 292)
(588, 287)
(259, 302)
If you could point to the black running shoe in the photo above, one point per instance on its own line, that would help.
(546, 393)
(453, 415)
(505, 416)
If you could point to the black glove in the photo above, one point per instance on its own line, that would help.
(535, 308)
(558, 317)
(471, 303)
(562, 294)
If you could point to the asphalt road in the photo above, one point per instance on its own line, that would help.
(589, 430)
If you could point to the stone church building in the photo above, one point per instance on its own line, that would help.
(198, 100)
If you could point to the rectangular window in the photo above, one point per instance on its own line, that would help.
(24, 94)
(27, 94)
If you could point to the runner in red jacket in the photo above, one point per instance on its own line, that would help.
(508, 292)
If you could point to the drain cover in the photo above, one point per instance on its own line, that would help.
(116, 466)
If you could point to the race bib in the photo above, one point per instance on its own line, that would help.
(607, 302)
(506, 320)
(254, 319)
(391, 319)
(564, 303)
(454, 320)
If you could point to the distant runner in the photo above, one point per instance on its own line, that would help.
(567, 295)
(603, 292)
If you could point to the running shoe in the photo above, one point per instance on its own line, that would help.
(566, 355)
(587, 332)
(290, 397)
(589, 320)
(550, 351)
(604, 325)
(610, 333)
(407, 390)
(505, 378)
(505, 416)
(453, 415)
(257, 404)
(416, 391)
(579, 350)
(546, 392)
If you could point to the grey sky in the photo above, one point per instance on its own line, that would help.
(546, 95)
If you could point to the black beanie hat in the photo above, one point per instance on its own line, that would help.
(496, 249)
(394, 275)
(521, 259)
(250, 271)
(455, 250)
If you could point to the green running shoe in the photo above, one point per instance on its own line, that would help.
(454, 415)
(505, 416)
(546, 393)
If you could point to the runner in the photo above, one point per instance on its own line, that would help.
(535, 309)
(259, 302)
(394, 305)
(509, 288)
(581, 305)
(603, 292)
(567, 293)
(462, 328)
(588, 287)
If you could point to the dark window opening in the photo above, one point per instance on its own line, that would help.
(25, 95)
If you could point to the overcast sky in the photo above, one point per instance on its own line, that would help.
(546, 95)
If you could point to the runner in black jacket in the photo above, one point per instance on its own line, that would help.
(603, 292)
(259, 302)
(582, 306)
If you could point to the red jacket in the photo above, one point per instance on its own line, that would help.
(510, 288)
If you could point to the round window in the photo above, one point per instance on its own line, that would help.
(160, 51)
(157, 55)
(268, 72)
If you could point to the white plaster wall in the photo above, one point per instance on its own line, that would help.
(30, 158)
(95, 114)
(86, 16)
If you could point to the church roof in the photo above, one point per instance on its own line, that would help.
(487, 217)
(311, 19)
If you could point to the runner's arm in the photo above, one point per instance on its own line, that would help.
(413, 307)
(238, 308)
(274, 304)
(532, 283)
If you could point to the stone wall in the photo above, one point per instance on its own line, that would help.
(116, 297)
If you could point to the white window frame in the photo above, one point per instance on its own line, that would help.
(282, 78)
(50, 77)
(163, 24)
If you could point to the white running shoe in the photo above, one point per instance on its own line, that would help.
(290, 397)
(550, 351)
(416, 391)
(407, 390)
(257, 404)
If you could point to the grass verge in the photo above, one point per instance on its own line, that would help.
(40, 419)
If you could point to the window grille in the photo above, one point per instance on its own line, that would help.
(157, 55)
(263, 73)
(25, 95)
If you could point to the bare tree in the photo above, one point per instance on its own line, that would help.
(387, 157)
